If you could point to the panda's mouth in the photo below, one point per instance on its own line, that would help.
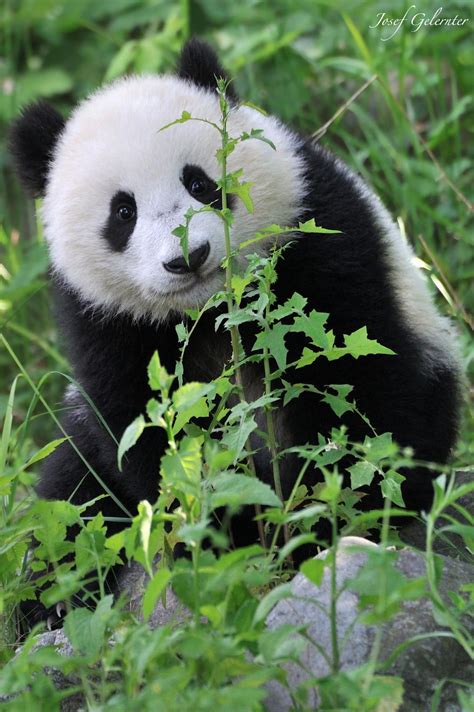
(191, 281)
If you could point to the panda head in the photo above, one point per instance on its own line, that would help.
(114, 186)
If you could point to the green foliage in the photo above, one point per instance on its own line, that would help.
(301, 62)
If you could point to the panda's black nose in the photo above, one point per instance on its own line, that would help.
(196, 260)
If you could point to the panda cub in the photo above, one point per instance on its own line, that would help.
(114, 187)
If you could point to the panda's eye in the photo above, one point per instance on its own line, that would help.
(124, 212)
(198, 186)
(201, 187)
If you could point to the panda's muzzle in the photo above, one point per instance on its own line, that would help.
(196, 260)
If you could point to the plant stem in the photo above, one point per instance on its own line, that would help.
(375, 651)
(333, 606)
(271, 426)
(234, 332)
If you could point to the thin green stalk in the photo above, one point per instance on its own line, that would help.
(333, 605)
(58, 424)
(271, 427)
(34, 338)
(234, 332)
(197, 613)
(431, 576)
(270, 424)
(375, 651)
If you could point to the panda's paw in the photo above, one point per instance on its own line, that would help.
(54, 620)
(33, 612)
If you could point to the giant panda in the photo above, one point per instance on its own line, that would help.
(114, 187)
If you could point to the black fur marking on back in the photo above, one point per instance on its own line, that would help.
(32, 139)
(116, 232)
(199, 63)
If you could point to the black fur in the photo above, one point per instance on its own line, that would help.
(199, 63)
(115, 231)
(344, 274)
(32, 139)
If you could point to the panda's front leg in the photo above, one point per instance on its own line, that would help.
(78, 470)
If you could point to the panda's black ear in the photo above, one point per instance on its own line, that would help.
(200, 64)
(31, 143)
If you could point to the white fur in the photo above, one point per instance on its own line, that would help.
(74, 402)
(113, 142)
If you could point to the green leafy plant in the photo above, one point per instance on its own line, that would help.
(405, 134)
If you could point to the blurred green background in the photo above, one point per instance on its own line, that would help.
(409, 133)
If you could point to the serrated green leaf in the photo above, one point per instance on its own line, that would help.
(310, 226)
(185, 116)
(200, 409)
(338, 402)
(236, 437)
(391, 487)
(312, 326)
(296, 303)
(307, 357)
(362, 473)
(274, 340)
(379, 447)
(239, 285)
(189, 394)
(237, 490)
(258, 135)
(359, 344)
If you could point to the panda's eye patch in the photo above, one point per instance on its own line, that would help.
(125, 212)
(201, 187)
(121, 221)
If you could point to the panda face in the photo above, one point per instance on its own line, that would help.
(118, 186)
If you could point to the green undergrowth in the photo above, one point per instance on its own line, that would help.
(406, 133)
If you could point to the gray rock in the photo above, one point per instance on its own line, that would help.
(302, 608)
(132, 581)
(425, 663)
(422, 665)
